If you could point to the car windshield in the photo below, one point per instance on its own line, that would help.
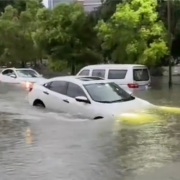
(28, 73)
(107, 93)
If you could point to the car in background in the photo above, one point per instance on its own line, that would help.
(130, 77)
(84, 97)
(25, 76)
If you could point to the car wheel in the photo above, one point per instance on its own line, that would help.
(38, 103)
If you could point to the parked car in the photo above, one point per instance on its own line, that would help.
(129, 76)
(84, 97)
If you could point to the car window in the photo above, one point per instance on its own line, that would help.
(84, 72)
(47, 85)
(74, 90)
(107, 93)
(99, 72)
(58, 86)
(117, 74)
(8, 72)
(27, 73)
(140, 75)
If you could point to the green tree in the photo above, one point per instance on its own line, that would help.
(16, 32)
(66, 35)
(134, 33)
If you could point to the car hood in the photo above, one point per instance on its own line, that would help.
(130, 106)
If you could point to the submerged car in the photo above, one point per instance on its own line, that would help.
(20, 75)
(84, 97)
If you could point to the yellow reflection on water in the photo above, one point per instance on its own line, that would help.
(29, 138)
(149, 145)
(150, 115)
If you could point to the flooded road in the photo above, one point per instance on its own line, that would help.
(41, 145)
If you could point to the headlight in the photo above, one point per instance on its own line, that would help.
(27, 85)
(137, 118)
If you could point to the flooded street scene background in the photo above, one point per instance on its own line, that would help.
(41, 145)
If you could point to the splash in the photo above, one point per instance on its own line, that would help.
(151, 115)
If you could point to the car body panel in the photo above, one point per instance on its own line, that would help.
(64, 103)
(122, 82)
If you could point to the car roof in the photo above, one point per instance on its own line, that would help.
(21, 68)
(112, 66)
(13, 68)
(78, 79)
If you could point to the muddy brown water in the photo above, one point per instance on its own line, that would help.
(37, 144)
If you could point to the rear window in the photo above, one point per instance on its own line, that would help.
(140, 75)
(117, 74)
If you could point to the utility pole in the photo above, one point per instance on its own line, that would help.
(169, 41)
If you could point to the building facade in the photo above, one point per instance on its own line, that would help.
(89, 5)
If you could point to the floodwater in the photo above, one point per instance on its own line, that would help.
(36, 144)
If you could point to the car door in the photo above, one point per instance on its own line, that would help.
(54, 96)
(78, 109)
(6, 76)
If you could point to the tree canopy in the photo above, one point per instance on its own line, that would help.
(133, 31)
(66, 34)
(16, 33)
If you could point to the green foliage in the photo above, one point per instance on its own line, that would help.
(125, 31)
(65, 33)
(16, 33)
(134, 33)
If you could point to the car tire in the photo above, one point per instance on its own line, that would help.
(39, 103)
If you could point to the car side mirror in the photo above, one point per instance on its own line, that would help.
(82, 99)
(13, 75)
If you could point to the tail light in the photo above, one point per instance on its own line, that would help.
(133, 85)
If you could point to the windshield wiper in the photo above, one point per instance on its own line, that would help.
(129, 98)
(119, 100)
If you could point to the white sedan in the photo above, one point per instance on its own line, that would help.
(84, 97)
(20, 75)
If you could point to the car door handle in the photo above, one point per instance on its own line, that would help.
(65, 100)
(45, 92)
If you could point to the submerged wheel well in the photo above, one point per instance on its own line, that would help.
(38, 102)
(98, 117)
